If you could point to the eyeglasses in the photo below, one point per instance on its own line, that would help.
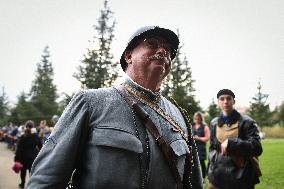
(155, 43)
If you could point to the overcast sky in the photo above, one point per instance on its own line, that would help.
(229, 43)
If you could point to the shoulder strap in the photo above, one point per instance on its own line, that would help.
(150, 126)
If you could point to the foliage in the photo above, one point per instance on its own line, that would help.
(259, 109)
(281, 113)
(98, 69)
(212, 112)
(43, 92)
(179, 84)
(4, 108)
(23, 111)
(65, 101)
(273, 132)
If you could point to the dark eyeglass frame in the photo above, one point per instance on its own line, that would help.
(154, 43)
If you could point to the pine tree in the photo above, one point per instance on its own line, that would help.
(179, 84)
(4, 108)
(281, 114)
(64, 101)
(212, 112)
(278, 115)
(43, 91)
(259, 109)
(98, 69)
(23, 111)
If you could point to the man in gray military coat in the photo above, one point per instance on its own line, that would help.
(101, 136)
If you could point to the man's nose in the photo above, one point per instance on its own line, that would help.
(226, 101)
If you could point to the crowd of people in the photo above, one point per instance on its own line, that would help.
(11, 133)
(26, 140)
(130, 136)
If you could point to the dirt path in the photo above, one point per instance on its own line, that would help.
(8, 178)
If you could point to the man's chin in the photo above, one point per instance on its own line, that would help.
(163, 73)
(228, 110)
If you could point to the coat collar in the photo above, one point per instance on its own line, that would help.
(230, 119)
(153, 96)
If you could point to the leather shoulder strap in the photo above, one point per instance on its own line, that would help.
(150, 126)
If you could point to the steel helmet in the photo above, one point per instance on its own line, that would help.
(145, 31)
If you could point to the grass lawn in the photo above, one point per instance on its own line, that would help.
(272, 164)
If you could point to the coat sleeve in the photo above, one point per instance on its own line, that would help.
(38, 142)
(247, 145)
(213, 143)
(19, 151)
(56, 161)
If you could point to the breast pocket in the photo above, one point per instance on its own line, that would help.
(114, 154)
(116, 138)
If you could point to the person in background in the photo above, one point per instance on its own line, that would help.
(12, 136)
(234, 147)
(44, 131)
(28, 147)
(201, 135)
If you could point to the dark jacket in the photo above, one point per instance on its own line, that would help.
(27, 149)
(223, 170)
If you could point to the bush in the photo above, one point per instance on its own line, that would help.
(273, 132)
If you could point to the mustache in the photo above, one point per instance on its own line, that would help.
(159, 57)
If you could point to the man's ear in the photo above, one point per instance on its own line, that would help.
(127, 56)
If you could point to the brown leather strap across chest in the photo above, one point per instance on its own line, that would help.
(150, 126)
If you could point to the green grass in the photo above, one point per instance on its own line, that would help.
(272, 164)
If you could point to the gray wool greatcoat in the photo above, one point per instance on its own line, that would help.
(100, 136)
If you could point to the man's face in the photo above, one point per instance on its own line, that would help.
(150, 56)
(226, 103)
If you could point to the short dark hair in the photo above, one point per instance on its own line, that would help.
(225, 92)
